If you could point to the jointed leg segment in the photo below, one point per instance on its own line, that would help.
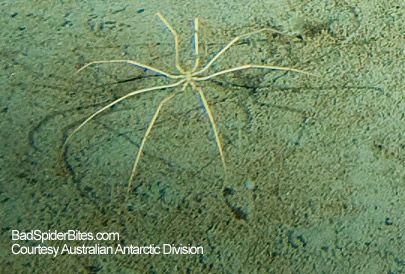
(145, 137)
(213, 124)
(176, 42)
(116, 102)
(230, 44)
(196, 46)
(134, 63)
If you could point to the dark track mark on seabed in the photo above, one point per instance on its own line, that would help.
(252, 91)
(86, 191)
(83, 191)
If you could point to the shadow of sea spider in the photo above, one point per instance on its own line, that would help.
(184, 77)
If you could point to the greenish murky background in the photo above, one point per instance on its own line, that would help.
(315, 178)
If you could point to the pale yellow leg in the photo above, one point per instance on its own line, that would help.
(176, 41)
(230, 44)
(145, 137)
(134, 63)
(114, 103)
(213, 124)
(196, 46)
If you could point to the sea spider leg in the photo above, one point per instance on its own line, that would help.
(134, 63)
(115, 102)
(224, 49)
(212, 122)
(145, 137)
(196, 46)
(249, 67)
(176, 42)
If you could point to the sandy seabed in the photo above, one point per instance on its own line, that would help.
(315, 179)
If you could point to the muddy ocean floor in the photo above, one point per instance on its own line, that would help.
(315, 178)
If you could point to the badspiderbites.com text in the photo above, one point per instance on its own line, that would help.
(70, 235)
(22, 244)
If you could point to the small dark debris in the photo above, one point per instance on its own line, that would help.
(93, 268)
(400, 261)
(198, 198)
(275, 254)
(300, 36)
(292, 240)
(302, 240)
(152, 270)
(239, 213)
(140, 11)
(202, 259)
(22, 175)
(388, 221)
(162, 193)
(119, 10)
(14, 14)
(22, 28)
(325, 248)
(110, 22)
(88, 189)
(378, 146)
(228, 191)
(5, 229)
(315, 28)
(67, 23)
(290, 235)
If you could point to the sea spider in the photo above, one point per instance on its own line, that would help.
(185, 77)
